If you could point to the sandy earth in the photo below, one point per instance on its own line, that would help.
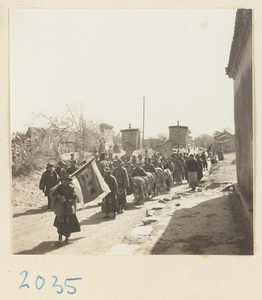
(208, 221)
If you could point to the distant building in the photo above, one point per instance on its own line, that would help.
(240, 69)
(225, 142)
(177, 140)
(178, 135)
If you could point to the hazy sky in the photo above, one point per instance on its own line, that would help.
(109, 59)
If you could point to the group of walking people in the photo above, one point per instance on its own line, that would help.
(118, 174)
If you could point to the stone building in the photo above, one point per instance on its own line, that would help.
(240, 69)
(178, 135)
(177, 140)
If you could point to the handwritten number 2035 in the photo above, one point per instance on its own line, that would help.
(40, 282)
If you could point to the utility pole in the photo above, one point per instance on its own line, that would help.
(144, 100)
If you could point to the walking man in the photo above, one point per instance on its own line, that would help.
(192, 166)
(48, 181)
(121, 176)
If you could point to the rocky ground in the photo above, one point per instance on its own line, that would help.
(208, 221)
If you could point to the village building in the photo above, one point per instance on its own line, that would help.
(240, 69)
(177, 140)
(225, 142)
(178, 135)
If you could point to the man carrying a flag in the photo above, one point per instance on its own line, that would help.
(64, 205)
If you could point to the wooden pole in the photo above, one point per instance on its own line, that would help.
(144, 100)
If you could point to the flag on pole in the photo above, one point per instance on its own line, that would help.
(89, 183)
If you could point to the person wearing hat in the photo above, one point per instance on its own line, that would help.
(121, 176)
(137, 170)
(61, 165)
(48, 180)
(200, 168)
(64, 196)
(72, 167)
(110, 203)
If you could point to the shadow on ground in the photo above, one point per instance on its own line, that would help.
(35, 211)
(214, 227)
(97, 218)
(46, 247)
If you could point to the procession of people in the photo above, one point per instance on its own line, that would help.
(119, 175)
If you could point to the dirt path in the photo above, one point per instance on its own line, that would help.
(207, 221)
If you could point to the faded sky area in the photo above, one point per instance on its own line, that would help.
(109, 59)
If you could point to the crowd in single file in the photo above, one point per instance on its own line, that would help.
(134, 175)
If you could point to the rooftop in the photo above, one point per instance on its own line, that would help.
(243, 25)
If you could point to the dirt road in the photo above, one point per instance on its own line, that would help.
(208, 221)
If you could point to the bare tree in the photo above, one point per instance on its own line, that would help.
(204, 140)
(163, 137)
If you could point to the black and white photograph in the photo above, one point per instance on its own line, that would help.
(131, 131)
(130, 149)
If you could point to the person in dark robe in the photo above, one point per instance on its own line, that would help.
(200, 168)
(110, 203)
(121, 176)
(192, 167)
(48, 180)
(204, 160)
(64, 196)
